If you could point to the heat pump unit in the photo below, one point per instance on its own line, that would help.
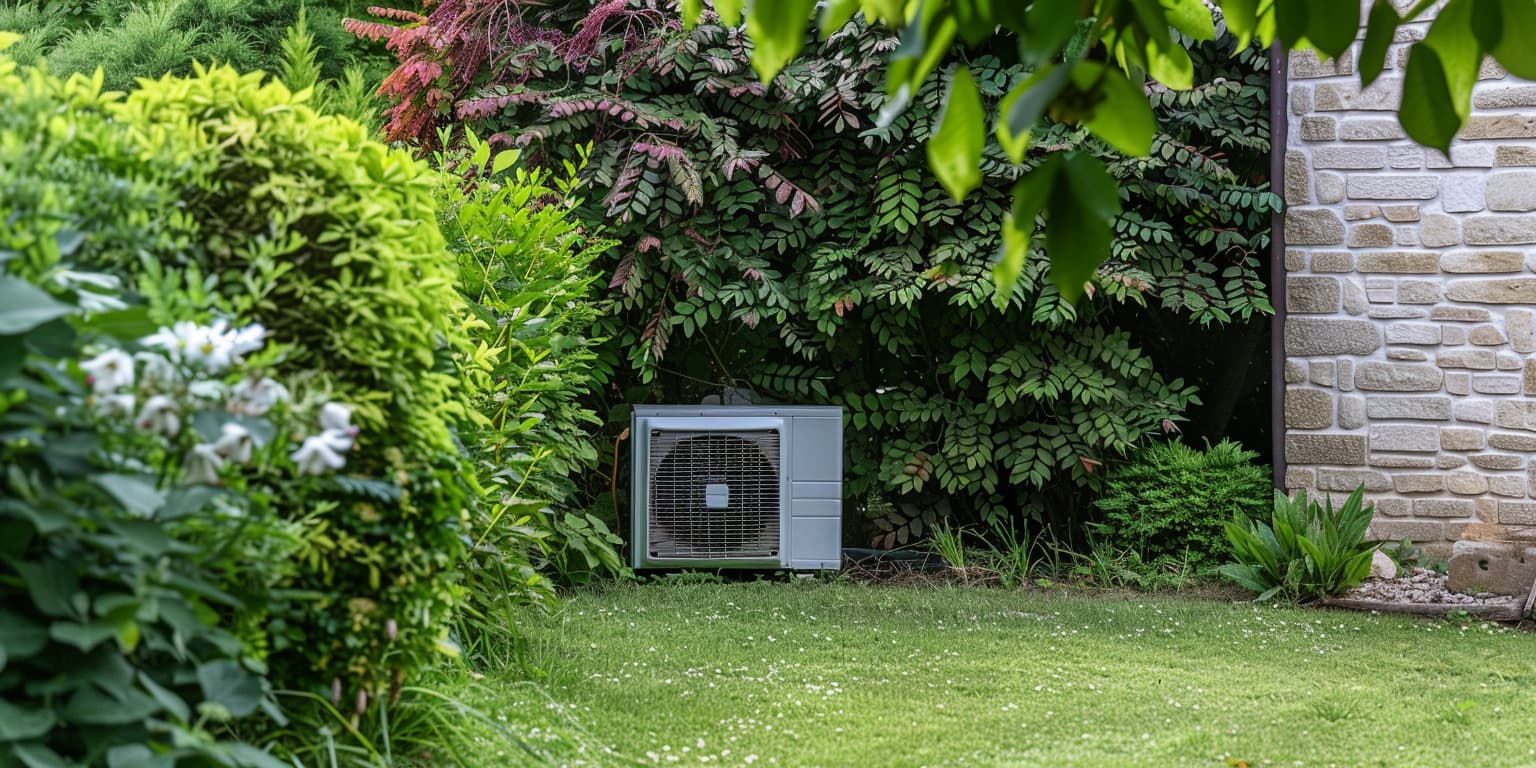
(726, 486)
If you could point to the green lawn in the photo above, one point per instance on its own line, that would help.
(834, 674)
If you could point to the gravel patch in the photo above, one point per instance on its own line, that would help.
(1422, 587)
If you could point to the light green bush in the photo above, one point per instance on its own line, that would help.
(115, 621)
(329, 240)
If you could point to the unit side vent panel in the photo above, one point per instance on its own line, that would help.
(714, 495)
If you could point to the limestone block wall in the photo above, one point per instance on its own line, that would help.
(1409, 332)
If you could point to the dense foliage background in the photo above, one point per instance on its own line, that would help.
(130, 39)
(786, 240)
(603, 208)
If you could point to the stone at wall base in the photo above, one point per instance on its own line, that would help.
(1501, 567)
(1382, 566)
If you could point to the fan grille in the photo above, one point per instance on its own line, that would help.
(684, 465)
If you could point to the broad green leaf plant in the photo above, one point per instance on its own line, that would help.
(1091, 60)
(1306, 551)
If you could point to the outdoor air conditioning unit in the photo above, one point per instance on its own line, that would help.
(727, 486)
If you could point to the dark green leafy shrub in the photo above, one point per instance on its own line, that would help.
(1172, 501)
(109, 630)
(1305, 551)
(780, 239)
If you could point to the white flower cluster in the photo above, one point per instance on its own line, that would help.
(212, 348)
(323, 452)
(175, 379)
(205, 461)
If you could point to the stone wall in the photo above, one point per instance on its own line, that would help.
(1410, 337)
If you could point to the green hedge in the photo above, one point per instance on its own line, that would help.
(526, 270)
(329, 240)
(218, 196)
(117, 639)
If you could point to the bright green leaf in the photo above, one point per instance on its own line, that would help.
(777, 29)
(1515, 51)
(1051, 24)
(834, 14)
(954, 149)
(1488, 23)
(1154, 21)
(692, 9)
(1191, 18)
(1242, 18)
(1123, 118)
(975, 19)
(504, 160)
(1460, 55)
(729, 12)
(892, 12)
(1170, 66)
(1083, 206)
(130, 323)
(1331, 24)
(924, 44)
(1030, 195)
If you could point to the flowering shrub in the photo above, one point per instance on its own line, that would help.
(184, 373)
(110, 634)
(112, 640)
(220, 197)
(328, 240)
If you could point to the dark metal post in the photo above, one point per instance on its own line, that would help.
(1279, 106)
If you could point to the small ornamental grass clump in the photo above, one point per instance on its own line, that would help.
(1306, 551)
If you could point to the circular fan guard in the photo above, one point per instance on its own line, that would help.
(685, 465)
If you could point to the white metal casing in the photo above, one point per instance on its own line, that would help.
(810, 480)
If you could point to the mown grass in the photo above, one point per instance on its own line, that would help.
(838, 674)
